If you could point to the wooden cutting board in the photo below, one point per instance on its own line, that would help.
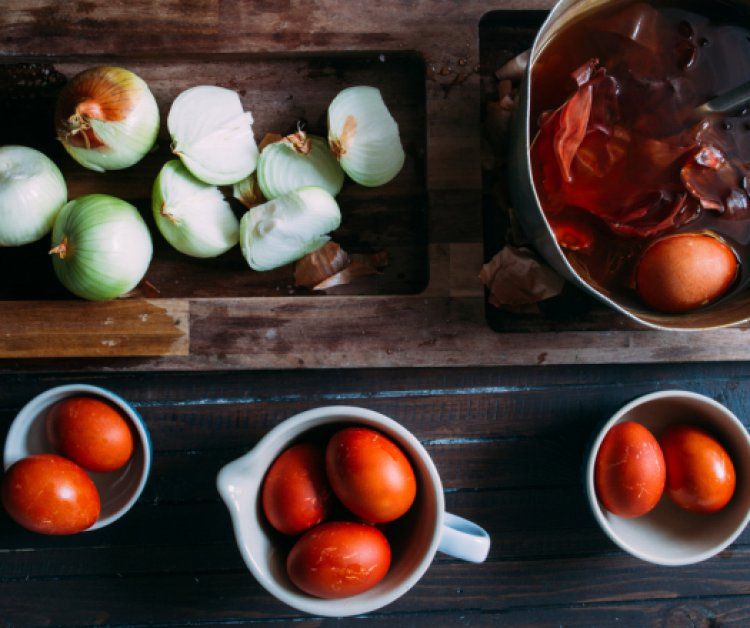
(287, 60)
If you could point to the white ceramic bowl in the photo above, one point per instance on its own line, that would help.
(669, 535)
(425, 529)
(118, 490)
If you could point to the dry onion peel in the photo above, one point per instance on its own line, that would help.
(192, 216)
(331, 266)
(288, 227)
(107, 118)
(247, 192)
(101, 247)
(212, 135)
(297, 161)
(32, 192)
(319, 265)
(364, 136)
(360, 266)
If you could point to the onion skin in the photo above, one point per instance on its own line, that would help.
(101, 247)
(107, 118)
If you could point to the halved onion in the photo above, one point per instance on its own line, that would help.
(364, 136)
(192, 216)
(297, 161)
(32, 192)
(107, 118)
(288, 227)
(101, 247)
(212, 135)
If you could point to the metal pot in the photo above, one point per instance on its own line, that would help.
(732, 309)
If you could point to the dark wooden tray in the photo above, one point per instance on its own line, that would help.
(427, 308)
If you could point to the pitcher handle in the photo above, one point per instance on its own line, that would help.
(464, 539)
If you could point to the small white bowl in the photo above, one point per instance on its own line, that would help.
(118, 490)
(425, 529)
(669, 535)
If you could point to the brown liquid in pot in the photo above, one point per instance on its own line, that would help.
(646, 167)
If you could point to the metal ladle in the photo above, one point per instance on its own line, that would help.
(726, 102)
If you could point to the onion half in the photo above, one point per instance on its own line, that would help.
(192, 216)
(101, 247)
(297, 161)
(212, 135)
(364, 136)
(288, 227)
(107, 118)
(32, 192)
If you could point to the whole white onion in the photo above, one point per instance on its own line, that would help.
(32, 192)
(101, 247)
(107, 118)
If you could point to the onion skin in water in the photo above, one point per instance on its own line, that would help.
(101, 247)
(107, 118)
(685, 271)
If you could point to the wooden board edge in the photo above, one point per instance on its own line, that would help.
(79, 329)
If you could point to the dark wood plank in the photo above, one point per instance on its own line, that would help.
(508, 443)
(495, 586)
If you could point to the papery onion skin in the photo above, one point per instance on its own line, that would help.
(248, 192)
(107, 118)
(101, 247)
(297, 161)
(212, 135)
(364, 136)
(287, 228)
(32, 193)
(192, 216)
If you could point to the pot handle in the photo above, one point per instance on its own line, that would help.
(464, 539)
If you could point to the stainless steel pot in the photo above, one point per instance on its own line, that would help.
(732, 309)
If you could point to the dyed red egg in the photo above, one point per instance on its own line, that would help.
(50, 495)
(685, 271)
(629, 473)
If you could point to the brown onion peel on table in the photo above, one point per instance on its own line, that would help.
(331, 266)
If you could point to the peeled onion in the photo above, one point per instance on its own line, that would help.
(101, 247)
(212, 135)
(32, 192)
(193, 216)
(107, 118)
(364, 136)
(288, 227)
(297, 161)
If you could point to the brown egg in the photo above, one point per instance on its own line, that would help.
(684, 271)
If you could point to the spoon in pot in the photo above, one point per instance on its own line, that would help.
(725, 103)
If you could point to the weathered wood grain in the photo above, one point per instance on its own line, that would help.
(76, 328)
(430, 72)
(508, 443)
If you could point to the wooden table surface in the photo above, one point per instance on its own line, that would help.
(508, 443)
